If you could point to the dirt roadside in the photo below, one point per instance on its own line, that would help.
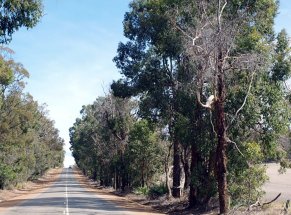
(10, 198)
(138, 209)
(174, 208)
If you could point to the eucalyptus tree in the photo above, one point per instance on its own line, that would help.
(15, 14)
(84, 139)
(282, 59)
(145, 152)
(29, 142)
(151, 64)
(7, 68)
(228, 44)
(119, 116)
(99, 139)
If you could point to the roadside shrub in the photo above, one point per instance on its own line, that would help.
(141, 190)
(157, 190)
(247, 176)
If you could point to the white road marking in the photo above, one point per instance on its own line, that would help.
(67, 198)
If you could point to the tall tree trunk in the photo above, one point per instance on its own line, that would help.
(187, 175)
(209, 170)
(95, 175)
(123, 174)
(177, 169)
(167, 170)
(101, 176)
(142, 175)
(186, 167)
(193, 198)
(220, 169)
(115, 180)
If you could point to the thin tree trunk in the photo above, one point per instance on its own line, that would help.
(168, 171)
(123, 180)
(142, 175)
(210, 169)
(186, 167)
(176, 169)
(123, 172)
(187, 176)
(193, 198)
(115, 180)
(95, 175)
(101, 177)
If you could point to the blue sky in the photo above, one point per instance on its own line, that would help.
(69, 54)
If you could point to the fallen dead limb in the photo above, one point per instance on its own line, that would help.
(258, 204)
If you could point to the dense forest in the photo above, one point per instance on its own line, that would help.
(29, 142)
(203, 102)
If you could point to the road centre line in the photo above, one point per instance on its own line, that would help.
(67, 198)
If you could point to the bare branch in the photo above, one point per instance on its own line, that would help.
(222, 9)
(218, 17)
(183, 32)
(212, 123)
(231, 142)
(258, 204)
(243, 102)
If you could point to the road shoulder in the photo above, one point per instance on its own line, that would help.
(10, 198)
(120, 201)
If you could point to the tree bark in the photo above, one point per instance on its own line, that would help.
(95, 175)
(167, 170)
(101, 177)
(142, 175)
(115, 180)
(123, 178)
(220, 169)
(186, 167)
(193, 198)
(187, 175)
(176, 169)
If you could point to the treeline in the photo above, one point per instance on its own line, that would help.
(204, 89)
(29, 142)
(110, 145)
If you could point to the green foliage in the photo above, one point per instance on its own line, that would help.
(160, 67)
(248, 185)
(206, 186)
(282, 60)
(145, 153)
(97, 140)
(245, 183)
(15, 14)
(29, 143)
(157, 190)
(141, 190)
(108, 146)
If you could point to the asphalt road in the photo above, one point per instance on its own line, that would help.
(278, 183)
(67, 197)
